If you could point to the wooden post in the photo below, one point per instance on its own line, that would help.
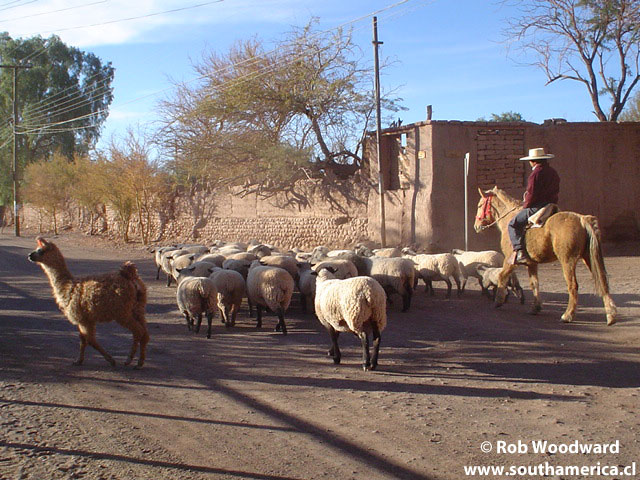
(383, 236)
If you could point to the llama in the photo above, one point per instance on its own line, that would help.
(119, 296)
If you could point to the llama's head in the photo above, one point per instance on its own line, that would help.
(45, 253)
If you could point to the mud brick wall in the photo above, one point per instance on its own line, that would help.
(498, 153)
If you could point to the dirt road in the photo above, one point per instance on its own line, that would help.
(253, 404)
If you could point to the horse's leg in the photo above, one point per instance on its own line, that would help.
(532, 269)
(503, 277)
(569, 271)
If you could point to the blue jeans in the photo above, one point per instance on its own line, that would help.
(516, 227)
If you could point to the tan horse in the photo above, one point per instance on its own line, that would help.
(566, 236)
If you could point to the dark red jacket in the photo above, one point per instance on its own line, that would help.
(543, 187)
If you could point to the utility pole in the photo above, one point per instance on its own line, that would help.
(383, 235)
(16, 196)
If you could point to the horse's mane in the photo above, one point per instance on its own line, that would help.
(507, 199)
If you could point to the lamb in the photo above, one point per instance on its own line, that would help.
(356, 305)
(490, 280)
(470, 261)
(195, 296)
(231, 288)
(270, 287)
(119, 296)
(438, 267)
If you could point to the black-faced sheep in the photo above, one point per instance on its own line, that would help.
(356, 305)
(272, 288)
(196, 296)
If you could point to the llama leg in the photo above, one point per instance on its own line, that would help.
(83, 345)
(366, 359)
(138, 331)
(144, 339)
(569, 271)
(91, 340)
(334, 351)
(376, 345)
(532, 269)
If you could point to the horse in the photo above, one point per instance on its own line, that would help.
(565, 236)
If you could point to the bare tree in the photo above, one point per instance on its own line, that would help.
(595, 42)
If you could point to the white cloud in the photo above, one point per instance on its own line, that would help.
(111, 22)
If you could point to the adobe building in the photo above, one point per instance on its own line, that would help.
(424, 178)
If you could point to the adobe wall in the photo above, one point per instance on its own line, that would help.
(599, 166)
(234, 218)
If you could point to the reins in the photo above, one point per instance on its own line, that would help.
(486, 211)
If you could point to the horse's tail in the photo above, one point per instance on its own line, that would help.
(596, 260)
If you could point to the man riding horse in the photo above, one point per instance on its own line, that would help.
(543, 187)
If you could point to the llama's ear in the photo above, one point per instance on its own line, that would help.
(480, 192)
(41, 242)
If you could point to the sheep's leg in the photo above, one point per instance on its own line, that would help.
(209, 320)
(406, 299)
(366, 358)
(188, 319)
(250, 308)
(428, 287)
(158, 273)
(459, 290)
(303, 302)
(376, 345)
(334, 351)
(259, 316)
(199, 322)
(448, 282)
(169, 280)
(281, 324)
(503, 277)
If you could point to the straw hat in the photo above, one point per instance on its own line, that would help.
(537, 154)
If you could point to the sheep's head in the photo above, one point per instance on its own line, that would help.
(45, 252)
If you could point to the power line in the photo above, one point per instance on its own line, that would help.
(128, 19)
(51, 11)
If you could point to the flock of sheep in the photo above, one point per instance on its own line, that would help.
(347, 289)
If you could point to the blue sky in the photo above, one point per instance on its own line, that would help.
(447, 53)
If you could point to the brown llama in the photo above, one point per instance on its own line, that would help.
(87, 301)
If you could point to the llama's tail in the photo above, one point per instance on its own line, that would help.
(596, 260)
(129, 271)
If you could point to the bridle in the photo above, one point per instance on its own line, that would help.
(487, 214)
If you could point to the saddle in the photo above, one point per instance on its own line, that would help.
(537, 219)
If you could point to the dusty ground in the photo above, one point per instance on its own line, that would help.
(254, 404)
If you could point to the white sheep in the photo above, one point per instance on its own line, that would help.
(436, 267)
(356, 305)
(195, 296)
(490, 280)
(211, 258)
(270, 287)
(470, 261)
(231, 288)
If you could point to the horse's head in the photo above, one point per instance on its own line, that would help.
(485, 214)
